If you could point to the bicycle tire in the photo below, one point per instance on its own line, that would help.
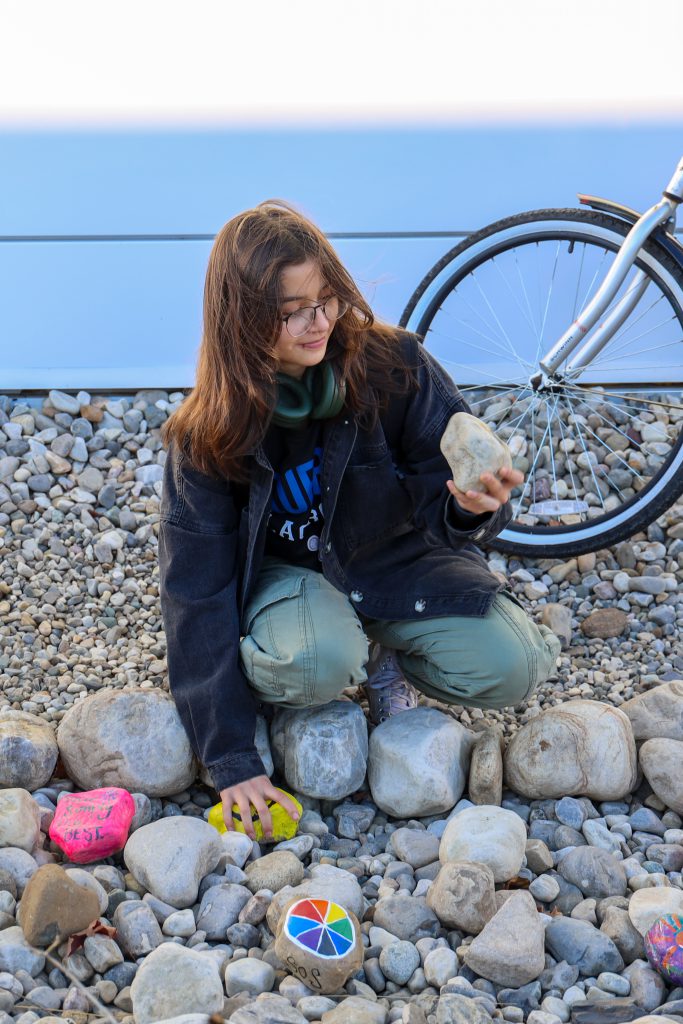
(439, 284)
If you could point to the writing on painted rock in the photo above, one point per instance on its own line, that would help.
(91, 825)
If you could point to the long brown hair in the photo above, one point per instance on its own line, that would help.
(228, 411)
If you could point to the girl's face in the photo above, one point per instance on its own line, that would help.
(302, 285)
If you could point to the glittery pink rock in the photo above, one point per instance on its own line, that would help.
(92, 825)
(664, 947)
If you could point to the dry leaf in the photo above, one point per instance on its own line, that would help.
(78, 938)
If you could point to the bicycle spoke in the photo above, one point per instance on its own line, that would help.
(578, 283)
(587, 390)
(514, 296)
(547, 304)
(491, 309)
(588, 460)
(569, 460)
(616, 428)
(641, 351)
(503, 351)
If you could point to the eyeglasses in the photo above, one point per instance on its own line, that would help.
(298, 323)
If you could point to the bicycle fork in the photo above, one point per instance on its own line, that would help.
(664, 212)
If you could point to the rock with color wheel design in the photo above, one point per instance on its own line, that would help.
(320, 943)
(664, 947)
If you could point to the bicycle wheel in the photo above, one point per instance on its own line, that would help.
(601, 452)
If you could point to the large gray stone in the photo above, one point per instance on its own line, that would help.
(28, 750)
(17, 955)
(325, 749)
(660, 760)
(657, 713)
(596, 872)
(405, 916)
(485, 783)
(132, 738)
(581, 747)
(462, 896)
(415, 847)
(19, 819)
(418, 763)
(583, 946)
(488, 835)
(170, 856)
(137, 929)
(509, 950)
(174, 981)
(471, 448)
(220, 908)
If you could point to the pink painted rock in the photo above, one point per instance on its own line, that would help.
(664, 947)
(92, 825)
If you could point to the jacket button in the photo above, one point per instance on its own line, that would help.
(420, 605)
(328, 548)
(356, 596)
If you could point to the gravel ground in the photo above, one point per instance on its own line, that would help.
(80, 483)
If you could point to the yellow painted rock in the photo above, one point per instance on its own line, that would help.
(284, 827)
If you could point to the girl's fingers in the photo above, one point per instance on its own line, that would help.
(263, 811)
(285, 803)
(244, 805)
(227, 802)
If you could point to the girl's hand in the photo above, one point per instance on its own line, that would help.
(496, 491)
(254, 791)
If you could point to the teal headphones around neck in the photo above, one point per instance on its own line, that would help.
(318, 396)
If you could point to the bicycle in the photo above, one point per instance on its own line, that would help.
(594, 420)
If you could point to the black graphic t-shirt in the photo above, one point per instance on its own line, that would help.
(296, 512)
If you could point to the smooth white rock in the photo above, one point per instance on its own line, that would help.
(19, 819)
(487, 834)
(581, 747)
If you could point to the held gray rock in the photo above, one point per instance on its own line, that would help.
(579, 748)
(418, 763)
(471, 448)
(28, 750)
(509, 950)
(128, 738)
(174, 981)
(326, 749)
(171, 856)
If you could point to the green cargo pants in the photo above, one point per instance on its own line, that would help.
(304, 643)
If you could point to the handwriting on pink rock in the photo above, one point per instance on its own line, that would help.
(91, 825)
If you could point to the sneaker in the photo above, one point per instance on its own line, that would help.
(387, 689)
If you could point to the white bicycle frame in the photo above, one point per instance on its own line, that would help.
(664, 212)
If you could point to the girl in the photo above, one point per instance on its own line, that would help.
(307, 509)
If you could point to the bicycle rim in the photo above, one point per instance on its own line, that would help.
(607, 446)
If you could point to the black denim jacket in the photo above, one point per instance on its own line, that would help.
(393, 540)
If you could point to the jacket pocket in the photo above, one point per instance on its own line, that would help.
(372, 502)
